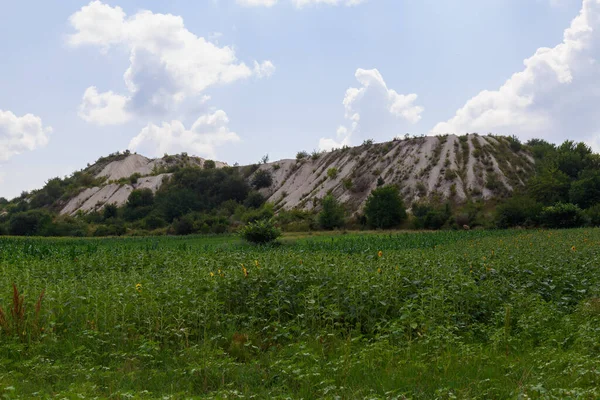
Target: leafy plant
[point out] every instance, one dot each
(260, 232)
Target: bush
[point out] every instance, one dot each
(593, 215)
(260, 232)
(183, 226)
(301, 155)
(209, 164)
(518, 211)
(254, 200)
(332, 215)
(29, 223)
(262, 179)
(332, 173)
(384, 208)
(562, 215)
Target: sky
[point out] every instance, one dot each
(234, 80)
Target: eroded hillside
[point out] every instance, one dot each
(470, 166)
(449, 167)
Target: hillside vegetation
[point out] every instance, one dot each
(442, 182)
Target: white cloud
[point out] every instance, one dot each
(257, 3)
(106, 108)
(373, 109)
(206, 134)
(19, 134)
(168, 63)
(554, 97)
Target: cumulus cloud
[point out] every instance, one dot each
(19, 134)
(103, 108)
(206, 134)
(555, 96)
(374, 109)
(168, 63)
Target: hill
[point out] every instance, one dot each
(443, 181)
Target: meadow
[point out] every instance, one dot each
(432, 315)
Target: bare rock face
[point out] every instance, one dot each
(447, 167)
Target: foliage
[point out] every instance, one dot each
(434, 315)
(519, 210)
(332, 214)
(262, 179)
(562, 215)
(260, 232)
(332, 173)
(384, 208)
(209, 164)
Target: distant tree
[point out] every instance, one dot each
(518, 211)
(332, 214)
(262, 179)
(140, 198)
(562, 215)
(29, 223)
(254, 200)
(264, 159)
(384, 208)
(3, 201)
(209, 164)
(110, 211)
(549, 186)
(585, 192)
(260, 232)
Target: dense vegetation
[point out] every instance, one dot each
(564, 192)
(479, 314)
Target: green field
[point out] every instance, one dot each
(441, 315)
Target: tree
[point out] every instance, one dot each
(384, 208)
(29, 223)
(110, 211)
(140, 198)
(209, 164)
(332, 215)
(585, 192)
(550, 186)
(262, 179)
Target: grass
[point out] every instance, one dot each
(477, 314)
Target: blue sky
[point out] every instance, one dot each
(233, 81)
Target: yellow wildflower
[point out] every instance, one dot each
(138, 287)
(245, 271)
(212, 274)
(380, 253)
(573, 248)
(379, 270)
(256, 263)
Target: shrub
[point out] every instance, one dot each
(384, 208)
(29, 223)
(209, 164)
(110, 211)
(593, 215)
(332, 215)
(140, 198)
(262, 179)
(254, 200)
(133, 179)
(518, 211)
(260, 232)
(562, 215)
(301, 155)
(332, 173)
(183, 226)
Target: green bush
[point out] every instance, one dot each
(332, 173)
(29, 223)
(260, 232)
(209, 164)
(562, 215)
(384, 208)
(518, 211)
(332, 215)
(262, 179)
